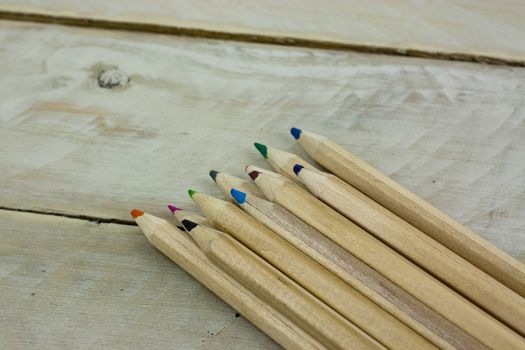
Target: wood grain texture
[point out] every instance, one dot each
(441, 262)
(359, 275)
(72, 283)
(467, 27)
(280, 291)
(384, 260)
(310, 275)
(408, 206)
(453, 133)
(181, 249)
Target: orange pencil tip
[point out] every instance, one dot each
(136, 213)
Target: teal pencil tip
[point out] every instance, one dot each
(262, 149)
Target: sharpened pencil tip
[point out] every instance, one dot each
(136, 213)
(262, 149)
(191, 193)
(296, 133)
(213, 174)
(254, 174)
(173, 208)
(188, 225)
(239, 196)
(297, 168)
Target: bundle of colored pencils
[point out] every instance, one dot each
(344, 260)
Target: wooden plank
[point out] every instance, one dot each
(475, 28)
(70, 283)
(454, 133)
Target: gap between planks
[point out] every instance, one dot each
(95, 219)
(253, 38)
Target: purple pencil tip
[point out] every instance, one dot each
(173, 208)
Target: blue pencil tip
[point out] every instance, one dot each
(296, 133)
(297, 168)
(239, 196)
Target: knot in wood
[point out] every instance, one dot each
(111, 78)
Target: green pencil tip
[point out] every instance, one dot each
(262, 149)
(191, 193)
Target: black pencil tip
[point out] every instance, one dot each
(213, 174)
(188, 225)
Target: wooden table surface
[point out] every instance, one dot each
(98, 121)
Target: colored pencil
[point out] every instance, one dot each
(386, 261)
(180, 248)
(226, 182)
(414, 210)
(376, 287)
(281, 162)
(310, 274)
(279, 291)
(181, 214)
(494, 297)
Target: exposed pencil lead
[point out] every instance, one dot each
(188, 225)
(239, 196)
(262, 149)
(136, 213)
(213, 174)
(191, 193)
(296, 133)
(297, 168)
(254, 174)
(173, 208)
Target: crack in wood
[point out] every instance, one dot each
(95, 219)
(254, 38)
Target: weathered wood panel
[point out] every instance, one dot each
(70, 283)
(472, 27)
(453, 133)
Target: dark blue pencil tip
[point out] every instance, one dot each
(296, 133)
(239, 196)
(297, 168)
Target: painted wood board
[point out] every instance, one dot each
(454, 133)
(69, 283)
(467, 27)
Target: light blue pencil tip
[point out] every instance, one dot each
(239, 196)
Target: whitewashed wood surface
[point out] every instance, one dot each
(74, 284)
(473, 27)
(454, 133)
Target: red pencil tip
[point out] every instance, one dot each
(136, 213)
(254, 174)
(173, 208)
